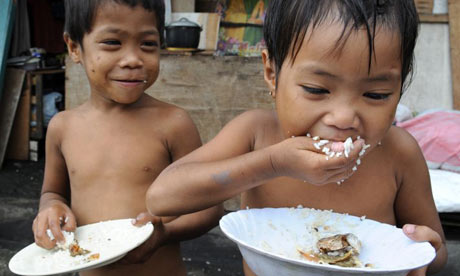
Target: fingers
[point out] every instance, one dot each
(144, 218)
(54, 220)
(54, 224)
(41, 237)
(138, 255)
(423, 233)
(345, 159)
(69, 223)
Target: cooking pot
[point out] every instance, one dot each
(183, 33)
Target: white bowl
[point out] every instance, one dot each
(269, 238)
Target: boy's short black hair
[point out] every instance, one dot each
(287, 22)
(79, 15)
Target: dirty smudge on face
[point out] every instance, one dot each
(222, 178)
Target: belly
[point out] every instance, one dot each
(166, 260)
(375, 201)
(107, 200)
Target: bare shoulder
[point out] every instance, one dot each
(407, 157)
(402, 144)
(256, 119)
(172, 118)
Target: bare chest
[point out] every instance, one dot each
(371, 192)
(114, 155)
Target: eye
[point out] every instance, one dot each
(377, 96)
(111, 42)
(316, 91)
(150, 44)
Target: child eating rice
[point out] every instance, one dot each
(335, 69)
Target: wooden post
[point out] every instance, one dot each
(454, 28)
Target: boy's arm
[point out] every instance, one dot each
(54, 211)
(184, 139)
(228, 165)
(414, 203)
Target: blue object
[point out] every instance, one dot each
(7, 8)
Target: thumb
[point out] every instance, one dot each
(420, 233)
(144, 218)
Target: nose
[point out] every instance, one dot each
(131, 59)
(342, 116)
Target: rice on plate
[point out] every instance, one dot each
(106, 242)
(272, 240)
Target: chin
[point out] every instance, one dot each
(128, 99)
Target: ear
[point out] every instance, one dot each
(73, 48)
(269, 73)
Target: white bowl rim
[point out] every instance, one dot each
(307, 263)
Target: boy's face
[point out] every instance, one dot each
(121, 53)
(330, 93)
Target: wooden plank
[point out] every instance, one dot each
(7, 8)
(8, 105)
(37, 131)
(18, 145)
(454, 28)
(434, 18)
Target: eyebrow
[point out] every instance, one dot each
(117, 31)
(321, 72)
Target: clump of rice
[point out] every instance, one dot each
(68, 236)
(335, 152)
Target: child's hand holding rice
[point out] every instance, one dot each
(317, 161)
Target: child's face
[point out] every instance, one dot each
(121, 53)
(331, 94)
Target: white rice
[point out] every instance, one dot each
(105, 240)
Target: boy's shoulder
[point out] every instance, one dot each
(258, 118)
(398, 142)
(174, 121)
(164, 112)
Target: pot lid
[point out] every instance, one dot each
(183, 22)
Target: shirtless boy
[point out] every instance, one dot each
(102, 156)
(335, 69)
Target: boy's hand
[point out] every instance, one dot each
(299, 158)
(159, 237)
(421, 234)
(57, 216)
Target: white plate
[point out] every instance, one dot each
(269, 238)
(111, 239)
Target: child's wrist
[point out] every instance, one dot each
(274, 163)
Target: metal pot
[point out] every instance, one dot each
(183, 34)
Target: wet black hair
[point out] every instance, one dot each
(79, 15)
(287, 22)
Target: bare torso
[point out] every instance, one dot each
(370, 192)
(112, 158)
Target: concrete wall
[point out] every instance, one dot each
(216, 89)
(212, 89)
(432, 83)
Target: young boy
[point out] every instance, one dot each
(102, 156)
(336, 69)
